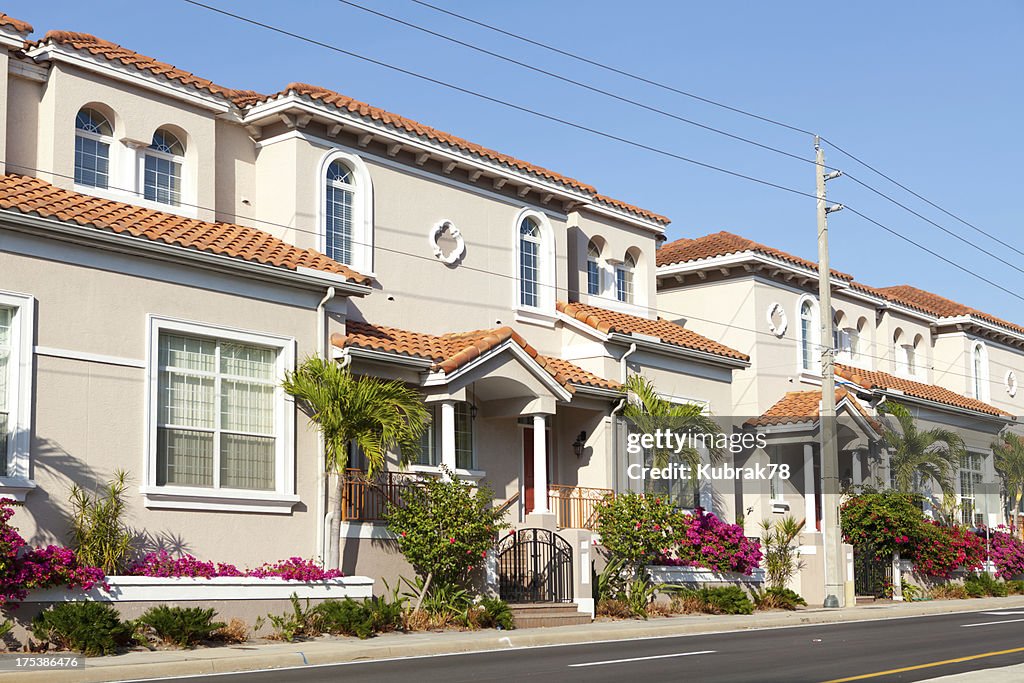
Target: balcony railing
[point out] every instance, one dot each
(575, 507)
(365, 499)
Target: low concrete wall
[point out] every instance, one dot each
(698, 576)
(245, 598)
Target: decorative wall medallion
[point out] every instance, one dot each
(777, 321)
(447, 243)
(1011, 383)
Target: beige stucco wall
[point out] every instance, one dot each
(90, 417)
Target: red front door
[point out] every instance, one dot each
(528, 470)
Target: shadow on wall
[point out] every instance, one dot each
(49, 507)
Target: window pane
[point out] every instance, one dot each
(184, 458)
(593, 278)
(186, 400)
(167, 143)
(92, 162)
(247, 462)
(187, 353)
(463, 437)
(339, 218)
(6, 319)
(253, 362)
(162, 182)
(92, 121)
(247, 407)
(529, 272)
(3, 443)
(428, 450)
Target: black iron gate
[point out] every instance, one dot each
(534, 565)
(872, 574)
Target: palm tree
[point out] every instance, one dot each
(379, 416)
(1008, 450)
(916, 455)
(649, 412)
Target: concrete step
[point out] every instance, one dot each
(865, 599)
(538, 615)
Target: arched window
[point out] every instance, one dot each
(979, 371)
(899, 354)
(93, 135)
(913, 355)
(339, 215)
(162, 168)
(624, 279)
(807, 360)
(529, 262)
(593, 269)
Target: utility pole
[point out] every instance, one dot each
(835, 588)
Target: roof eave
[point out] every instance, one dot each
(678, 351)
(937, 405)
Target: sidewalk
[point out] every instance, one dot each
(248, 656)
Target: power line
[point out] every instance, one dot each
(669, 88)
(506, 276)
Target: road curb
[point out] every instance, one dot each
(321, 652)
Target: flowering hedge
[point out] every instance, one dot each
(162, 564)
(939, 550)
(23, 569)
(1007, 553)
(650, 530)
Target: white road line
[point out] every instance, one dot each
(640, 659)
(992, 623)
(1002, 614)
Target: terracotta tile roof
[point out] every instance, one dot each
(16, 24)
(449, 352)
(940, 306)
(874, 379)
(725, 243)
(34, 196)
(804, 406)
(607, 322)
(114, 52)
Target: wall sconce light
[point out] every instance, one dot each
(472, 411)
(579, 443)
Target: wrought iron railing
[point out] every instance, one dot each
(365, 498)
(575, 507)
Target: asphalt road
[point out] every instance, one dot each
(813, 654)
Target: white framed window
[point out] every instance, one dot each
(162, 162)
(624, 279)
(593, 269)
(346, 210)
(971, 468)
(428, 442)
(17, 313)
(979, 371)
(93, 137)
(220, 425)
(465, 458)
(535, 264)
(807, 314)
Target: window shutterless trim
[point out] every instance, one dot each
(20, 390)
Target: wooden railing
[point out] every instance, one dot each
(365, 499)
(575, 507)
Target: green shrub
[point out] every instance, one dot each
(92, 628)
(981, 585)
(778, 598)
(495, 613)
(182, 626)
(98, 534)
(948, 591)
(302, 621)
(727, 600)
(1015, 587)
(639, 594)
(912, 592)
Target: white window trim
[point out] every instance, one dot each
(107, 140)
(362, 210)
(815, 365)
(981, 382)
(544, 311)
(18, 482)
(283, 498)
(183, 193)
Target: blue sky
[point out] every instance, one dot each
(929, 92)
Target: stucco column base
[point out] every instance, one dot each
(541, 520)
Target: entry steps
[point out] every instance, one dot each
(541, 614)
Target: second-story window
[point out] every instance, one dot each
(624, 279)
(92, 149)
(593, 269)
(806, 334)
(340, 211)
(529, 263)
(162, 162)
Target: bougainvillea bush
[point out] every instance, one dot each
(704, 540)
(1007, 553)
(23, 569)
(162, 564)
(938, 550)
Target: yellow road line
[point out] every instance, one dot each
(926, 666)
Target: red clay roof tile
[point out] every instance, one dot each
(34, 196)
(16, 24)
(940, 306)
(607, 322)
(803, 406)
(875, 379)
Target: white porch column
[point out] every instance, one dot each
(858, 473)
(448, 434)
(810, 507)
(540, 465)
(705, 488)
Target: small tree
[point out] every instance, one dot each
(636, 528)
(916, 455)
(1009, 461)
(98, 534)
(445, 528)
(379, 416)
(781, 558)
